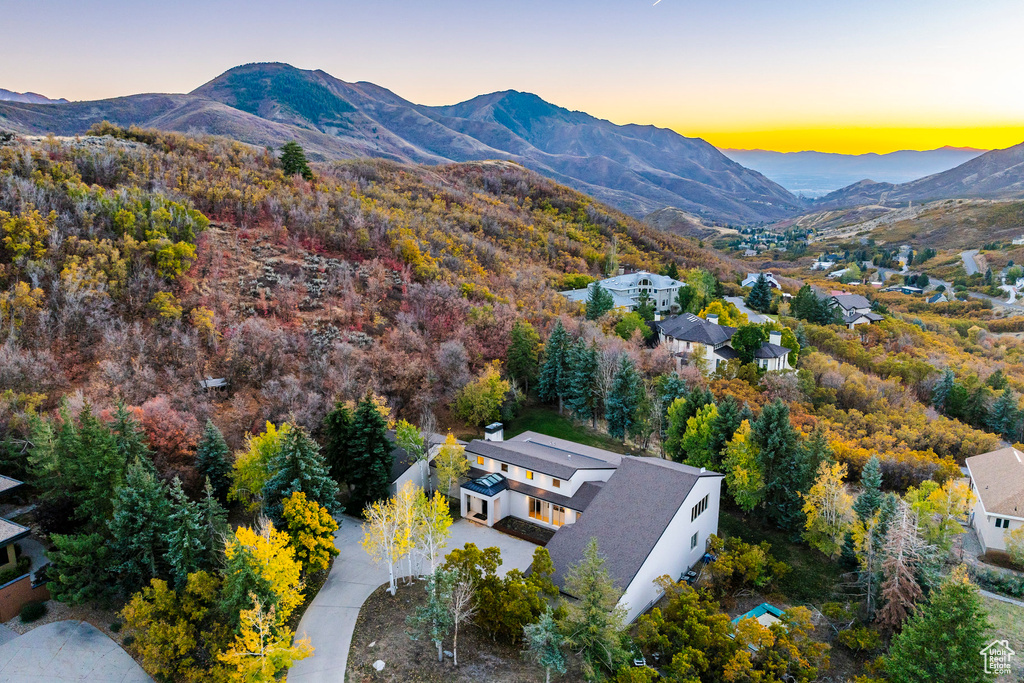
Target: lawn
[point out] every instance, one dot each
(813, 577)
(544, 420)
(1008, 622)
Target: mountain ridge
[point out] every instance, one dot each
(636, 168)
(28, 97)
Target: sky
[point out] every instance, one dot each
(787, 75)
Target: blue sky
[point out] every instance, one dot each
(845, 76)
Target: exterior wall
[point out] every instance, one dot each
(672, 555)
(18, 593)
(774, 364)
(541, 480)
(984, 525)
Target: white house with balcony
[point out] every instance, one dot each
(997, 482)
(626, 289)
(689, 337)
(650, 517)
(855, 309)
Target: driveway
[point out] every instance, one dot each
(331, 618)
(67, 651)
(753, 317)
(970, 264)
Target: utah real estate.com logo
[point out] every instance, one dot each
(998, 657)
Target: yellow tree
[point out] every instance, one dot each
(273, 560)
(433, 526)
(479, 402)
(743, 475)
(252, 465)
(262, 649)
(829, 509)
(383, 537)
(404, 504)
(940, 509)
(727, 313)
(451, 464)
(311, 529)
(1015, 544)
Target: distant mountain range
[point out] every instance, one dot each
(998, 174)
(638, 169)
(813, 174)
(34, 98)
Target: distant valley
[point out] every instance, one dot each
(814, 174)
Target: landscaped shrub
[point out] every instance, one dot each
(999, 582)
(32, 611)
(20, 568)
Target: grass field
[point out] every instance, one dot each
(813, 577)
(1008, 622)
(544, 420)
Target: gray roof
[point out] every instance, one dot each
(631, 280)
(999, 481)
(556, 457)
(579, 501)
(628, 517)
(851, 301)
(769, 350)
(855, 316)
(7, 483)
(689, 327)
(10, 532)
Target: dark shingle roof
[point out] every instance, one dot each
(489, 485)
(7, 483)
(769, 350)
(628, 517)
(853, 317)
(852, 301)
(689, 327)
(556, 457)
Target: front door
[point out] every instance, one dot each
(483, 508)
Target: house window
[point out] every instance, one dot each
(539, 509)
(1002, 523)
(556, 483)
(479, 460)
(699, 508)
(529, 474)
(504, 467)
(557, 515)
(693, 541)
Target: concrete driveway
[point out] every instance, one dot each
(331, 618)
(65, 651)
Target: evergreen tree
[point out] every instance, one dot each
(599, 301)
(300, 467)
(623, 399)
(129, 437)
(942, 642)
(242, 580)
(760, 297)
(554, 373)
(645, 307)
(79, 570)
(725, 424)
(293, 160)
(523, 357)
(337, 428)
(593, 623)
(1004, 418)
(747, 340)
(212, 461)
(942, 390)
(671, 270)
(976, 410)
(779, 459)
(214, 519)
(583, 381)
(186, 543)
(96, 469)
(370, 457)
(138, 529)
(870, 499)
(544, 644)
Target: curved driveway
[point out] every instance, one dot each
(331, 618)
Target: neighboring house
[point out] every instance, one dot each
(688, 336)
(751, 280)
(937, 298)
(650, 517)
(836, 274)
(10, 532)
(855, 309)
(404, 468)
(907, 289)
(627, 288)
(997, 481)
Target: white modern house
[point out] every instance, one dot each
(690, 337)
(997, 481)
(855, 309)
(626, 289)
(751, 280)
(650, 517)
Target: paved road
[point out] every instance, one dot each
(970, 265)
(753, 316)
(331, 618)
(65, 651)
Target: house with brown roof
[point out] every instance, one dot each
(651, 517)
(997, 481)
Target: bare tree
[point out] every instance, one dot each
(462, 607)
(903, 548)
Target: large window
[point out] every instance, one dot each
(540, 510)
(1002, 523)
(557, 515)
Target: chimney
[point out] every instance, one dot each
(494, 432)
(622, 270)
(713, 318)
(775, 338)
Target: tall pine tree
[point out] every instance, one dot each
(599, 301)
(370, 457)
(1004, 418)
(96, 470)
(300, 467)
(523, 357)
(212, 461)
(337, 430)
(583, 381)
(214, 519)
(870, 499)
(129, 437)
(554, 373)
(780, 460)
(187, 550)
(623, 399)
(760, 297)
(138, 529)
